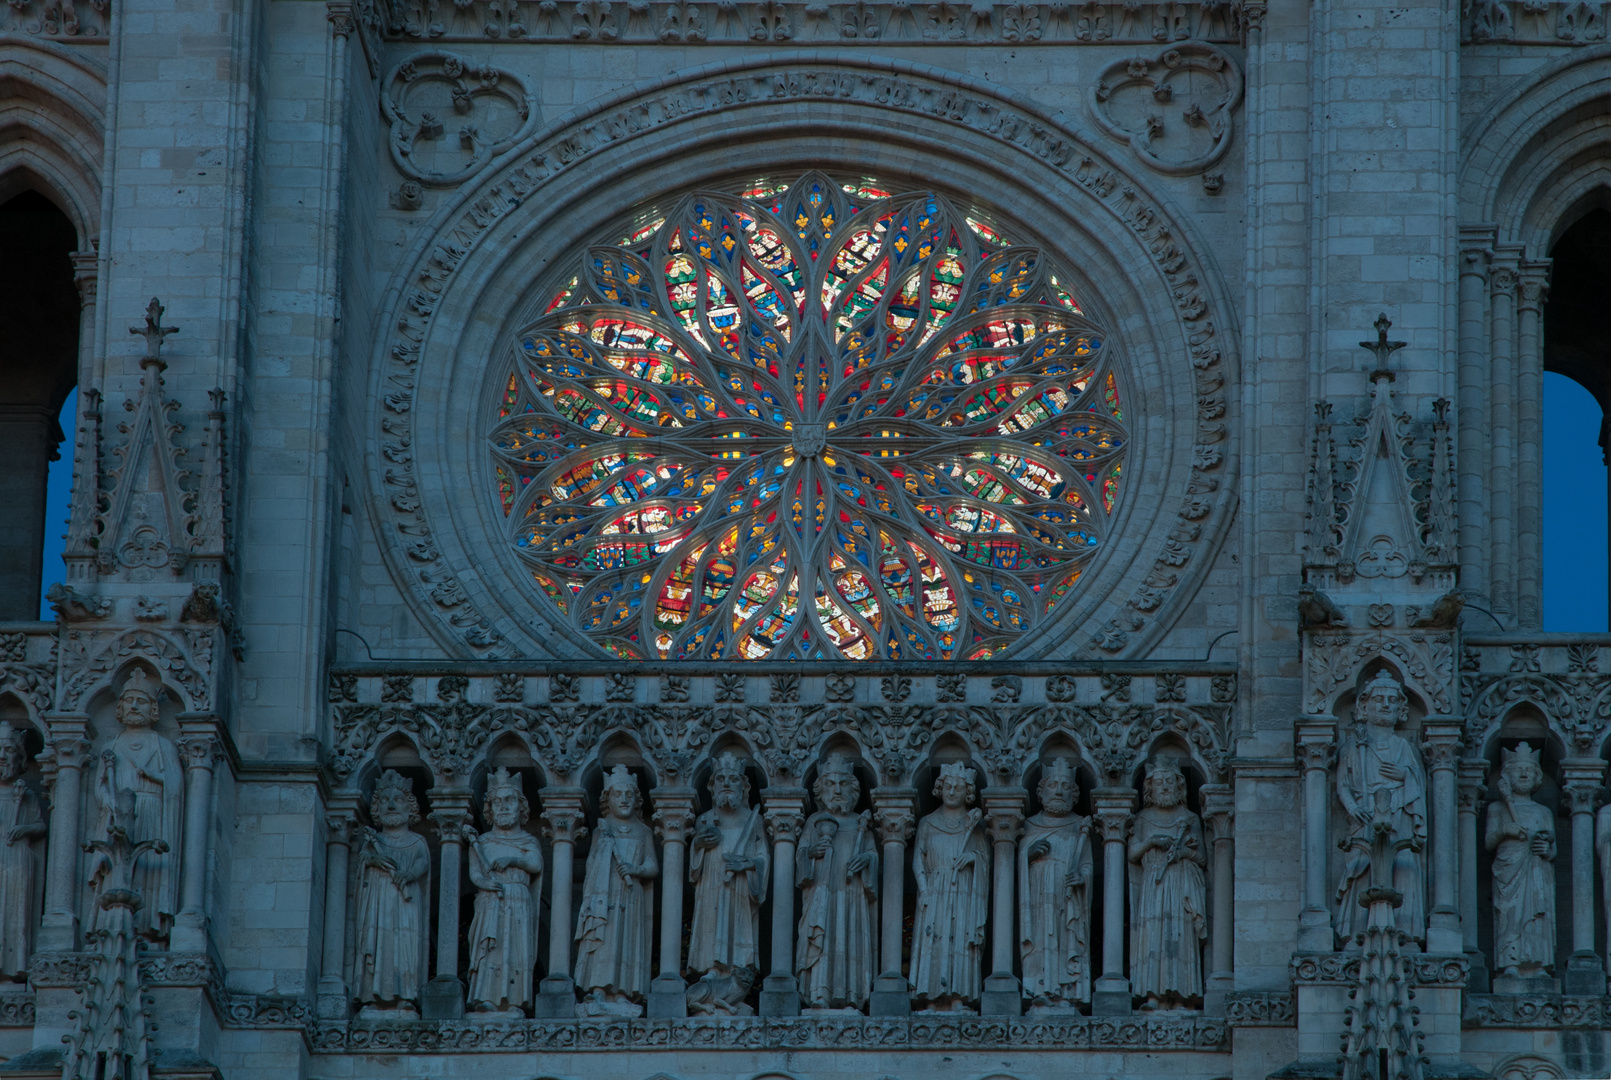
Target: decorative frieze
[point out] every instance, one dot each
(1534, 22)
(1260, 1008)
(1536, 1011)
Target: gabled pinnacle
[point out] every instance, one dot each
(1381, 348)
(154, 333)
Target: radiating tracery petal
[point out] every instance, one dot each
(812, 419)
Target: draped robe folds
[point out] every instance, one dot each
(952, 903)
(503, 932)
(727, 905)
(1359, 778)
(1054, 919)
(392, 921)
(1524, 887)
(1168, 904)
(615, 926)
(18, 807)
(143, 768)
(834, 949)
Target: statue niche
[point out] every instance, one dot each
(1168, 894)
(837, 868)
(1054, 894)
(951, 862)
(140, 786)
(728, 867)
(21, 823)
(394, 904)
(615, 925)
(1521, 835)
(506, 868)
(1379, 771)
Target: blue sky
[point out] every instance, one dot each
(1575, 559)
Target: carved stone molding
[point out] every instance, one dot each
(806, 1033)
(475, 628)
(1535, 22)
(1562, 682)
(16, 1010)
(267, 1011)
(64, 20)
(1174, 109)
(184, 658)
(1260, 1008)
(1342, 969)
(450, 117)
(1333, 659)
(1536, 1011)
(857, 22)
(59, 970)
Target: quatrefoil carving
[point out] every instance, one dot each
(450, 117)
(1173, 110)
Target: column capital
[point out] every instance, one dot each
(1219, 808)
(340, 823)
(564, 819)
(1477, 247)
(784, 811)
(200, 751)
(1504, 269)
(1112, 809)
(1534, 284)
(86, 272)
(895, 814)
(673, 814)
(1004, 813)
(1315, 743)
(343, 17)
(1441, 742)
(1580, 781)
(450, 823)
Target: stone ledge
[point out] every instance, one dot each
(1191, 1032)
(1546, 1011)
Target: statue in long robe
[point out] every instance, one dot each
(20, 825)
(951, 862)
(728, 865)
(1054, 894)
(837, 868)
(1375, 759)
(506, 867)
(1521, 835)
(394, 904)
(1168, 894)
(615, 925)
(141, 788)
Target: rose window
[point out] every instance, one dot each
(809, 421)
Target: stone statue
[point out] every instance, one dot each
(20, 824)
(951, 863)
(615, 926)
(141, 787)
(837, 868)
(1054, 894)
(1168, 894)
(1373, 759)
(506, 868)
(1521, 834)
(728, 866)
(394, 904)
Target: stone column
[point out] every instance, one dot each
(1471, 410)
(563, 822)
(444, 994)
(1472, 771)
(1004, 820)
(340, 819)
(1110, 996)
(1502, 434)
(673, 817)
(1317, 748)
(1529, 442)
(58, 930)
(199, 748)
(785, 817)
(1580, 781)
(895, 815)
(1219, 811)
(1440, 749)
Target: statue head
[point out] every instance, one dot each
(1520, 770)
(1058, 789)
(620, 794)
(954, 786)
(393, 804)
(1382, 703)
(729, 784)
(137, 703)
(13, 755)
(1165, 785)
(837, 788)
(506, 805)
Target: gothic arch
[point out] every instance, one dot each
(477, 269)
(52, 119)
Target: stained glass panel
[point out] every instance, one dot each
(809, 420)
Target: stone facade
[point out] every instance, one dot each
(1199, 723)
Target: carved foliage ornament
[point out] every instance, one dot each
(1174, 110)
(931, 424)
(449, 118)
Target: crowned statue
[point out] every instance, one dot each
(1521, 835)
(394, 904)
(21, 823)
(615, 925)
(837, 868)
(728, 866)
(506, 868)
(1378, 771)
(951, 862)
(1168, 894)
(1054, 894)
(140, 787)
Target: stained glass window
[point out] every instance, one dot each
(820, 419)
